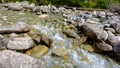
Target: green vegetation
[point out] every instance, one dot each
(76, 3)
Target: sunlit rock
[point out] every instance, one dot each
(60, 51)
(37, 51)
(21, 43)
(13, 59)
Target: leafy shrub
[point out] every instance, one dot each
(75, 3)
(102, 4)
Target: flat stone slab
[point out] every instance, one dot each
(17, 28)
(21, 43)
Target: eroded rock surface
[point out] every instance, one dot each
(21, 43)
(94, 31)
(13, 59)
(16, 28)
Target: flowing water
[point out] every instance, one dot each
(76, 58)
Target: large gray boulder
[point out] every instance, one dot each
(94, 31)
(11, 59)
(22, 43)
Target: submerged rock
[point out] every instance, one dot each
(37, 51)
(71, 33)
(13, 59)
(83, 39)
(87, 47)
(60, 51)
(94, 31)
(21, 43)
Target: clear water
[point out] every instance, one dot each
(77, 58)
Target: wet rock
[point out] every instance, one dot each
(102, 46)
(116, 26)
(83, 39)
(87, 15)
(110, 21)
(13, 35)
(113, 40)
(37, 51)
(60, 51)
(93, 20)
(1, 37)
(39, 13)
(94, 13)
(14, 6)
(102, 14)
(94, 31)
(37, 39)
(110, 34)
(24, 4)
(70, 21)
(13, 59)
(115, 8)
(75, 45)
(17, 28)
(43, 16)
(26, 35)
(36, 9)
(106, 25)
(21, 43)
(109, 14)
(116, 48)
(4, 42)
(110, 29)
(70, 31)
(43, 9)
(87, 47)
(45, 39)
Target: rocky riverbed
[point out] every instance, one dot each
(56, 37)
